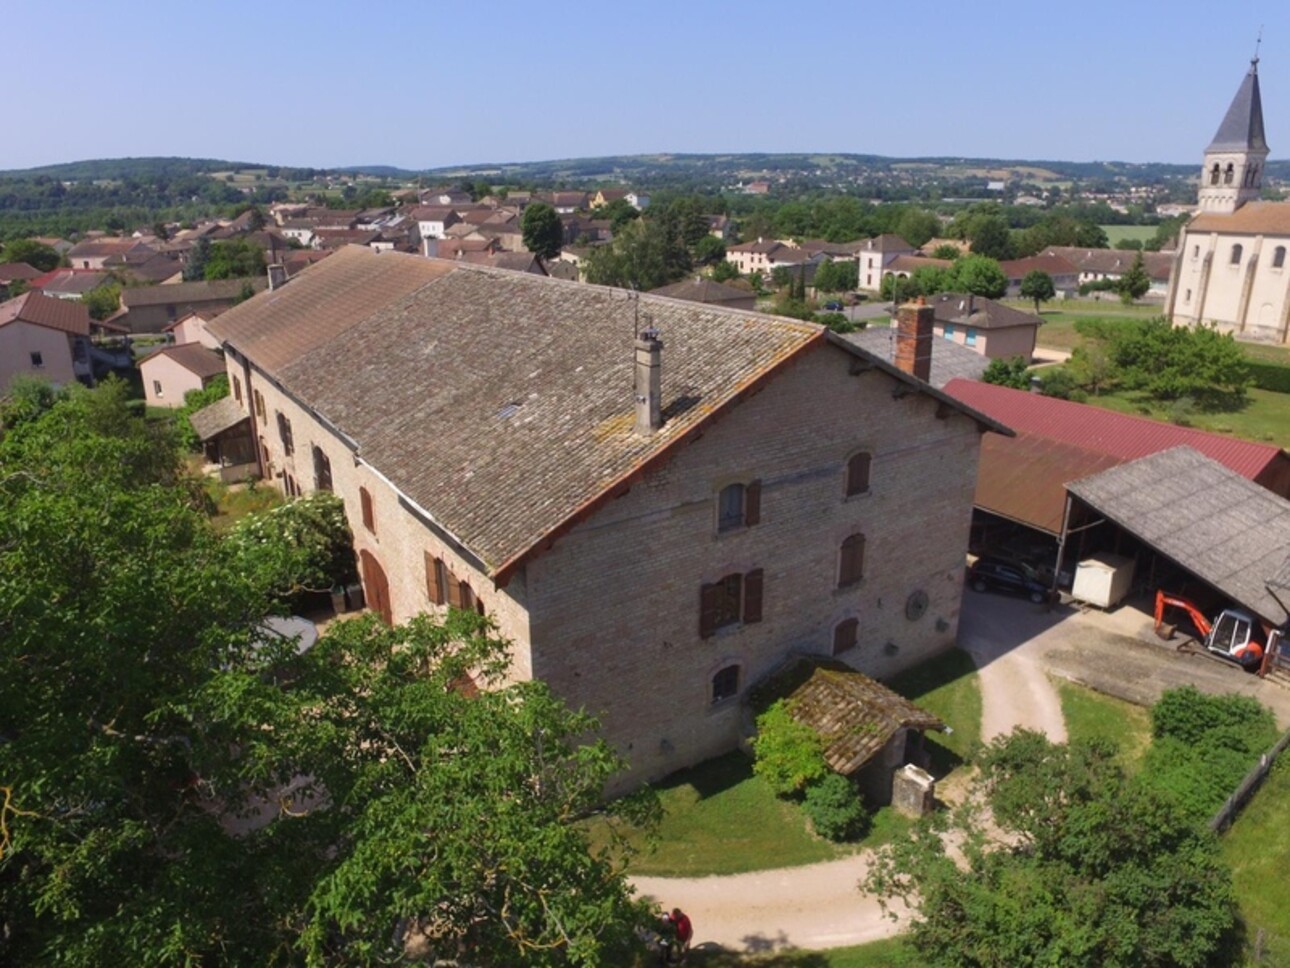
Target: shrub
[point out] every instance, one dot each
(835, 808)
(788, 754)
(1270, 376)
(1189, 715)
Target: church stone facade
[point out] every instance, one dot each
(1231, 265)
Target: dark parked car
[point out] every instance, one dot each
(1009, 577)
(833, 307)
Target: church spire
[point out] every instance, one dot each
(1233, 170)
(1242, 127)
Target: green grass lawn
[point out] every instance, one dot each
(1092, 715)
(232, 503)
(1258, 850)
(947, 686)
(893, 953)
(1117, 233)
(1265, 417)
(719, 818)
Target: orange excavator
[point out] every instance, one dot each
(1235, 635)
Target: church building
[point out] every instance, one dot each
(1231, 264)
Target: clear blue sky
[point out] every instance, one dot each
(428, 84)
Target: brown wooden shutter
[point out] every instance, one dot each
(434, 579)
(752, 502)
(708, 610)
(851, 566)
(453, 589)
(858, 474)
(465, 597)
(479, 605)
(369, 519)
(752, 596)
(844, 635)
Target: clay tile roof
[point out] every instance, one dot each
(102, 247)
(909, 263)
(500, 402)
(9, 271)
(1104, 431)
(888, 242)
(194, 357)
(187, 293)
(958, 307)
(1054, 265)
(36, 308)
(949, 359)
(1252, 218)
(853, 715)
(704, 290)
(224, 414)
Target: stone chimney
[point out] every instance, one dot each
(649, 382)
(277, 275)
(914, 338)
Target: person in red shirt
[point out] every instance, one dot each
(684, 932)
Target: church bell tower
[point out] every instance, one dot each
(1233, 171)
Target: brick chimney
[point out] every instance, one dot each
(649, 382)
(914, 338)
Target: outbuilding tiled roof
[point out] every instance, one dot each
(949, 359)
(853, 715)
(979, 312)
(704, 290)
(211, 421)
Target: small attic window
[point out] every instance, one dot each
(509, 410)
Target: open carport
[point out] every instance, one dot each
(1179, 510)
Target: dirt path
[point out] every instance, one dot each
(817, 906)
(1008, 643)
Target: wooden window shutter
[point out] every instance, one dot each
(752, 596)
(851, 567)
(858, 473)
(434, 579)
(369, 519)
(844, 635)
(708, 595)
(453, 588)
(465, 597)
(479, 605)
(752, 502)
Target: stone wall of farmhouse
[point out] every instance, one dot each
(400, 540)
(615, 605)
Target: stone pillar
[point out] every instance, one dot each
(913, 791)
(649, 382)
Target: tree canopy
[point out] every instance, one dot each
(542, 230)
(1134, 284)
(646, 254)
(1081, 866)
(181, 786)
(1038, 285)
(35, 254)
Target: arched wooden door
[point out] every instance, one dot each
(376, 588)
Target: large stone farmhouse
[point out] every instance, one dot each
(1232, 267)
(658, 502)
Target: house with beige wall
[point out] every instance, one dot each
(655, 518)
(192, 329)
(1231, 267)
(996, 331)
(44, 337)
(876, 255)
(150, 309)
(170, 372)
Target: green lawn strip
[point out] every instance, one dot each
(1257, 848)
(1092, 715)
(1265, 417)
(948, 687)
(890, 953)
(719, 818)
(234, 503)
(1117, 233)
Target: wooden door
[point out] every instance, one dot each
(376, 588)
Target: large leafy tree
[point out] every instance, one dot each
(981, 276)
(542, 231)
(1133, 285)
(234, 258)
(646, 254)
(35, 254)
(179, 786)
(1038, 285)
(1079, 866)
